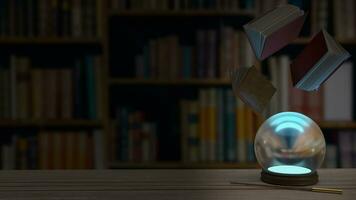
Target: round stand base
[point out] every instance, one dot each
(286, 179)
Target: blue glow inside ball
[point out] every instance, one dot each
(289, 143)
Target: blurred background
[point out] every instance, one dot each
(94, 84)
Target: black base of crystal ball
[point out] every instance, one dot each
(289, 179)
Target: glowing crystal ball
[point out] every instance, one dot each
(289, 143)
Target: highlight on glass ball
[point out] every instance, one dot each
(289, 144)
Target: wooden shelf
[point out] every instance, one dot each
(198, 82)
(48, 40)
(337, 125)
(50, 123)
(180, 165)
(188, 13)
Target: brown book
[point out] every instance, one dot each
(37, 93)
(69, 150)
(51, 94)
(274, 30)
(89, 153)
(66, 94)
(99, 85)
(23, 87)
(317, 62)
(57, 150)
(252, 87)
(82, 150)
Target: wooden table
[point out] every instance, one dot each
(161, 184)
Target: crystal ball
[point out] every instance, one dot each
(289, 143)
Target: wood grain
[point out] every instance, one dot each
(161, 184)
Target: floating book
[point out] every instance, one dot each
(252, 87)
(317, 62)
(274, 30)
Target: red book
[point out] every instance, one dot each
(317, 62)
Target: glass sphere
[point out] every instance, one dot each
(289, 143)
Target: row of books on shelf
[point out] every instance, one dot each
(341, 150)
(344, 18)
(211, 56)
(264, 6)
(217, 127)
(53, 150)
(30, 92)
(50, 18)
(332, 102)
(179, 5)
(134, 138)
(320, 15)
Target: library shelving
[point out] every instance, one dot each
(179, 165)
(114, 84)
(50, 123)
(189, 13)
(49, 40)
(197, 82)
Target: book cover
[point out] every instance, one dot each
(275, 29)
(317, 62)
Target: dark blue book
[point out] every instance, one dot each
(230, 136)
(78, 88)
(146, 62)
(124, 134)
(3, 17)
(248, 4)
(90, 87)
(187, 62)
(298, 3)
(32, 153)
(201, 54)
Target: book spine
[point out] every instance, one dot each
(66, 94)
(124, 131)
(212, 116)
(187, 62)
(241, 132)
(78, 90)
(345, 148)
(331, 156)
(211, 54)
(202, 125)
(249, 115)
(184, 119)
(193, 137)
(69, 150)
(13, 86)
(90, 86)
(220, 143)
(76, 18)
(201, 53)
(230, 147)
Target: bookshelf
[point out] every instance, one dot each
(191, 13)
(179, 165)
(49, 40)
(304, 41)
(188, 82)
(113, 83)
(50, 123)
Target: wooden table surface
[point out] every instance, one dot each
(161, 184)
